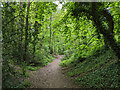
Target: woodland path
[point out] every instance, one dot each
(51, 76)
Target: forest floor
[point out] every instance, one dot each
(51, 76)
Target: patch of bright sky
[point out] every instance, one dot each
(59, 4)
(1, 4)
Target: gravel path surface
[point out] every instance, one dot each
(51, 76)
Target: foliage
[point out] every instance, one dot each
(24, 36)
(86, 33)
(95, 71)
(104, 77)
(93, 54)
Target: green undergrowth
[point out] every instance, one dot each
(98, 70)
(36, 66)
(103, 77)
(43, 62)
(19, 72)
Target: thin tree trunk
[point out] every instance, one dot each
(34, 36)
(21, 33)
(26, 32)
(50, 48)
(34, 47)
(54, 42)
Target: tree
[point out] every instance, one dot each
(50, 46)
(21, 25)
(94, 13)
(26, 32)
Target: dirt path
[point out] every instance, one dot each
(51, 76)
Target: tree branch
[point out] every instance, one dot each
(11, 20)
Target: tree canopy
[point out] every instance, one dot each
(33, 32)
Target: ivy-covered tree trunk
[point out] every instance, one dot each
(108, 34)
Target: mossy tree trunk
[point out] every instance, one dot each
(107, 33)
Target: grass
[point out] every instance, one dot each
(99, 70)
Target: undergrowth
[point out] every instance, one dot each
(97, 70)
(103, 77)
(18, 73)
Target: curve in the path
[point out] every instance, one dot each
(51, 76)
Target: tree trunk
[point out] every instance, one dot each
(21, 32)
(54, 41)
(50, 48)
(34, 47)
(26, 32)
(35, 37)
(108, 34)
